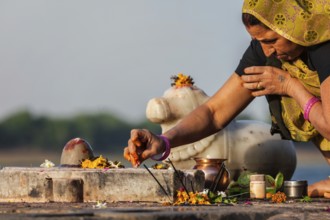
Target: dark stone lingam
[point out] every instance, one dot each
(74, 152)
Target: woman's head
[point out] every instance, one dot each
(250, 20)
(305, 22)
(271, 42)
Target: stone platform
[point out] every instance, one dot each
(318, 209)
(40, 185)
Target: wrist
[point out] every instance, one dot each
(293, 87)
(167, 151)
(308, 106)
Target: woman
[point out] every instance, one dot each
(287, 61)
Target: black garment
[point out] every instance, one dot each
(317, 59)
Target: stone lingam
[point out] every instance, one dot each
(245, 144)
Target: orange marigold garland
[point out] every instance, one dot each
(278, 197)
(194, 198)
(206, 197)
(182, 80)
(100, 162)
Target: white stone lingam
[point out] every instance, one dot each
(246, 144)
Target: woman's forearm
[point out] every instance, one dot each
(319, 114)
(213, 115)
(191, 128)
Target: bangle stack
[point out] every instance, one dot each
(309, 106)
(167, 149)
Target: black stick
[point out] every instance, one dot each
(217, 178)
(177, 173)
(157, 181)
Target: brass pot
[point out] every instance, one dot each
(217, 176)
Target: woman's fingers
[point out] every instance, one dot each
(327, 195)
(131, 154)
(135, 151)
(254, 74)
(254, 86)
(255, 69)
(142, 145)
(135, 138)
(127, 154)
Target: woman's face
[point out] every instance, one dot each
(273, 43)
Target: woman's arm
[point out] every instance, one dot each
(213, 115)
(319, 115)
(277, 81)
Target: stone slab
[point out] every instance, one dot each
(23, 184)
(318, 209)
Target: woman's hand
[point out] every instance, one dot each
(320, 189)
(265, 80)
(142, 145)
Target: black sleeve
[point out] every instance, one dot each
(319, 57)
(253, 56)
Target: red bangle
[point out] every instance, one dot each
(309, 106)
(167, 149)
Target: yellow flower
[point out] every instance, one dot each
(182, 80)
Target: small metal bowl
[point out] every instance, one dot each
(295, 189)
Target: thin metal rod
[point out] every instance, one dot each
(177, 173)
(157, 181)
(217, 178)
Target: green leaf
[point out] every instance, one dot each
(234, 190)
(233, 184)
(218, 199)
(199, 198)
(230, 201)
(279, 180)
(271, 190)
(306, 199)
(238, 191)
(244, 179)
(270, 181)
(211, 195)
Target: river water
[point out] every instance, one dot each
(311, 165)
(311, 173)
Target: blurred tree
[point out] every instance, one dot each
(16, 130)
(101, 130)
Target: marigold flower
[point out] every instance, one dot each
(278, 197)
(182, 80)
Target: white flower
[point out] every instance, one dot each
(100, 205)
(114, 165)
(205, 191)
(222, 194)
(47, 164)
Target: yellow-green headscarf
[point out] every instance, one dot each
(304, 22)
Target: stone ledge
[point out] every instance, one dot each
(22, 184)
(261, 210)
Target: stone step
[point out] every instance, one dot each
(58, 184)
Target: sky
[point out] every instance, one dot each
(65, 57)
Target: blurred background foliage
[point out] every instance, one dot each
(101, 130)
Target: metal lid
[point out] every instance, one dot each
(257, 177)
(295, 183)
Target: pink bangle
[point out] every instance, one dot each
(309, 106)
(167, 149)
